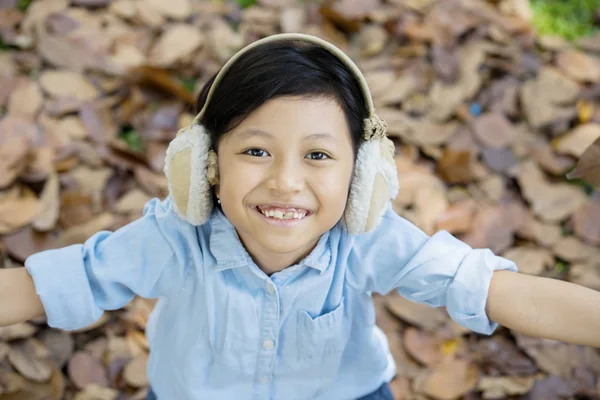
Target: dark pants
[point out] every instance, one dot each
(383, 393)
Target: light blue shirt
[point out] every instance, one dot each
(223, 329)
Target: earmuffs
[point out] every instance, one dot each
(192, 170)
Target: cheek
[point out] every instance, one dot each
(235, 179)
(332, 186)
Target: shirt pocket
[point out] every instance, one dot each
(321, 340)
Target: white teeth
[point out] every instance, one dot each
(281, 214)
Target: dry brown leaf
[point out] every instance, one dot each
(493, 186)
(587, 275)
(553, 357)
(571, 249)
(30, 358)
(530, 260)
(587, 167)
(498, 387)
(420, 315)
(76, 208)
(18, 207)
(451, 379)
(132, 202)
(26, 100)
(85, 370)
(579, 66)
(456, 166)
(14, 149)
(177, 9)
(92, 181)
(499, 159)
(586, 220)
(154, 184)
(490, 229)
(493, 130)
(26, 241)
(99, 123)
(551, 202)
(39, 11)
(80, 233)
(49, 205)
(540, 111)
(60, 344)
(177, 42)
(445, 98)
(40, 164)
(135, 371)
(423, 347)
(23, 330)
(96, 392)
(578, 140)
(73, 127)
(458, 217)
(545, 234)
(67, 84)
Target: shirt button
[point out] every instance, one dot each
(263, 379)
(270, 288)
(268, 344)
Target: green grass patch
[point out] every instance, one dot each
(23, 5)
(189, 84)
(246, 3)
(570, 19)
(132, 138)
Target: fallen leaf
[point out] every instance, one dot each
(419, 315)
(539, 110)
(49, 205)
(98, 122)
(578, 140)
(451, 379)
(135, 371)
(154, 184)
(78, 234)
(587, 167)
(502, 357)
(132, 202)
(493, 130)
(18, 207)
(26, 100)
(26, 241)
(544, 234)
(579, 65)
(571, 249)
(176, 43)
(21, 330)
(586, 220)
(499, 159)
(458, 217)
(456, 166)
(177, 9)
(60, 344)
(76, 208)
(14, 149)
(40, 164)
(498, 387)
(94, 391)
(67, 84)
(30, 358)
(530, 260)
(552, 388)
(587, 275)
(85, 370)
(490, 229)
(423, 347)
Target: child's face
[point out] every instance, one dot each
(291, 159)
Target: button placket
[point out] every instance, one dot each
(269, 326)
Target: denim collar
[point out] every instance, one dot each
(228, 250)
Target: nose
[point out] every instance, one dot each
(286, 177)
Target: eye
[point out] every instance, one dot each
(256, 153)
(317, 156)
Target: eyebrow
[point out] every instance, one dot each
(249, 133)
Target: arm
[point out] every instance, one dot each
(545, 307)
(18, 300)
(77, 283)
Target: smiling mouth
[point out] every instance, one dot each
(283, 213)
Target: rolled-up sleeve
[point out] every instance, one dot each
(147, 257)
(438, 271)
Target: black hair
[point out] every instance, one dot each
(285, 68)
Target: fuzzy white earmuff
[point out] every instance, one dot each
(191, 166)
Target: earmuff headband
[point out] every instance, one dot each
(294, 37)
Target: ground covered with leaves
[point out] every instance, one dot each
(487, 117)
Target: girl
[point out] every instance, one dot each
(267, 295)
